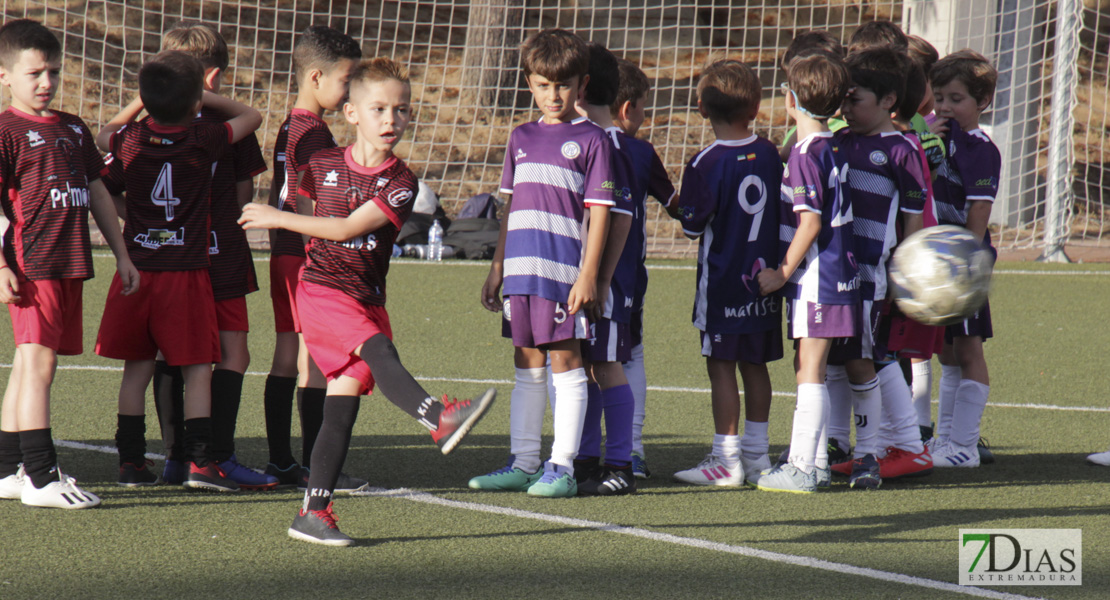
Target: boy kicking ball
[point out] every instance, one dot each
(363, 194)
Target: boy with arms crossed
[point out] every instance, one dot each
(323, 60)
(49, 182)
(886, 181)
(232, 274)
(818, 277)
(963, 83)
(559, 172)
(164, 166)
(649, 178)
(362, 195)
(726, 201)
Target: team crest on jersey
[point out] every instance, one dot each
(35, 139)
(398, 198)
(878, 157)
(571, 150)
(332, 178)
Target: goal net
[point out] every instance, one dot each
(469, 95)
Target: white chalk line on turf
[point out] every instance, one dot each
(651, 388)
(790, 559)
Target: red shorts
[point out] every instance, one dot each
(334, 325)
(172, 312)
(284, 278)
(49, 314)
(231, 314)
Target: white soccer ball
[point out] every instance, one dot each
(941, 275)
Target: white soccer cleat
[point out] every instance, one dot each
(947, 455)
(62, 493)
(11, 487)
(1101, 459)
(712, 471)
(754, 468)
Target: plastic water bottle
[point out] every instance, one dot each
(435, 241)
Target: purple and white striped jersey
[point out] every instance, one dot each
(554, 172)
(970, 172)
(815, 181)
(650, 178)
(885, 177)
(729, 198)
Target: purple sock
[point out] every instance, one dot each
(590, 446)
(619, 408)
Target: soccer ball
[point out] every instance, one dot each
(941, 275)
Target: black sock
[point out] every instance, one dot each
(10, 454)
(40, 460)
(227, 390)
(277, 401)
(198, 437)
(131, 438)
(310, 403)
(169, 401)
(331, 449)
(398, 385)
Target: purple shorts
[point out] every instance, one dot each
(865, 345)
(636, 327)
(535, 322)
(754, 348)
(610, 342)
(811, 320)
(978, 324)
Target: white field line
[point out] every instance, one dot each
(651, 388)
(789, 559)
(483, 263)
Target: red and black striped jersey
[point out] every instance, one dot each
(232, 266)
(302, 135)
(46, 164)
(339, 185)
(166, 173)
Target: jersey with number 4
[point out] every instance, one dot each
(729, 198)
(166, 173)
(339, 186)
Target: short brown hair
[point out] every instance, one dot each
(923, 52)
(970, 67)
(320, 47)
(809, 42)
(556, 55)
(201, 40)
(25, 34)
(373, 70)
(170, 85)
(634, 86)
(819, 81)
(729, 91)
(877, 33)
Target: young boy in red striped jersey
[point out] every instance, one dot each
(323, 60)
(164, 167)
(231, 269)
(49, 182)
(363, 194)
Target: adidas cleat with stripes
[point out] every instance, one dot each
(711, 471)
(458, 417)
(62, 493)
(609, 481)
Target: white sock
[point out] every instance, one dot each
(809, 418)
(526, 409)
(755, 442)
(570, 413)
(840, 405)
(637, 380)
(949, 381)
(971, 399)
(898, 410)
(867, 404)
(727, 449)
(922, 389)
